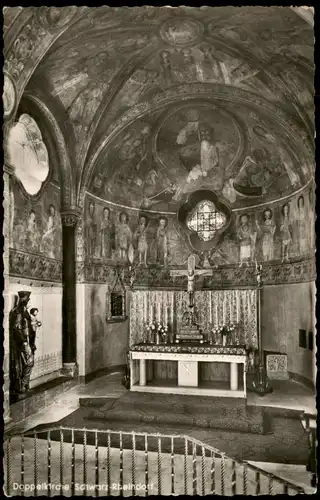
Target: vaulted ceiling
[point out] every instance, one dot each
(122, 83)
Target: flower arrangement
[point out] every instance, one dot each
(160, 330)
(223, 332)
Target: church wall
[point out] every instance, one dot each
(285, 310)
(102, 345)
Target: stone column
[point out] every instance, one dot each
(234, 376)
(142, 366)
(8, 172)
(69, 219)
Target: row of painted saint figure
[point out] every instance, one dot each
(248, 234)
(107, 240)
(28, 234)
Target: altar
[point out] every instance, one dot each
(186, 332)
(188, 358)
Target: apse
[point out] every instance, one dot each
(160, 228)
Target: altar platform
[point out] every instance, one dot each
(188, 380)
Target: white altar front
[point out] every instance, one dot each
(188, 358)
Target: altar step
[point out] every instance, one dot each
(181, 411)
(287, 443)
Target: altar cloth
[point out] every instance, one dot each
(190, 348)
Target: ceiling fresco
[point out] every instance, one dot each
(236, 152)
(110, 60)
(92, 67)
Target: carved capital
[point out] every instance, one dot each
(70, 217)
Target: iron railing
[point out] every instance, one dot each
(309, 423)
(91, 462)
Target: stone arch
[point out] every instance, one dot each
(55, 143)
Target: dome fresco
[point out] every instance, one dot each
(122, 78)
(239, 154)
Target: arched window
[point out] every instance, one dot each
(28, 154)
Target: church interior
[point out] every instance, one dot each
(159, 251)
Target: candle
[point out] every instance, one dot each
(165, 319)
(172, 308)
(216, 319)
(238, 305)
(145, 308)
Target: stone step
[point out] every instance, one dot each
(289, 439)
(181, 402)
(238, 419)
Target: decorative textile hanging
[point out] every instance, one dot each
(213, 307)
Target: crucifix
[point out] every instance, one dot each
(191, 273)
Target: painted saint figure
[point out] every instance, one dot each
(209, 70)
(31, 235)
(286, 231)
(267, 229)
(187, 70)
(302, 228)
(247, 238)
(22, 346)
(166, 69)
(48, 242)
(140, 236)
(198, 153)
(91, 231)
(123, 237)
(254, 175)
(162, 242)
(106, 235)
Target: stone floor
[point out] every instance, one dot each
(287, 394)
(108, 386)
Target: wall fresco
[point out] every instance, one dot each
(35, 222)
(278, 232)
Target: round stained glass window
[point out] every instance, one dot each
(206, 220)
